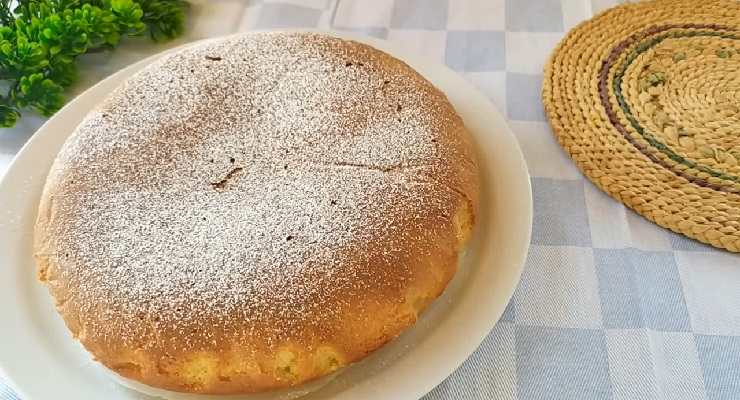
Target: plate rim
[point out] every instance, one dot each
(120, 76)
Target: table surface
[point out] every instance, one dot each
(610, 306)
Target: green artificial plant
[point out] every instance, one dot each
(40, 40)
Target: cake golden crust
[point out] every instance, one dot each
(256, 212)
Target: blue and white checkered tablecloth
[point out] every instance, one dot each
(610, 306)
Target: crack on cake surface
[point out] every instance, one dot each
(223, 183)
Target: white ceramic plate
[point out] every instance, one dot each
(42, 361)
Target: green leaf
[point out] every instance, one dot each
(165, 18)
(6, 15)
(98, 24)
(22, 56)
(63, 73)
(8, 116)
(128, 16)
(6, 32)
(40, 93)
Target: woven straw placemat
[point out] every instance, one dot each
(645, 98)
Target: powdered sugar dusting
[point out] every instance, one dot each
(258, 182)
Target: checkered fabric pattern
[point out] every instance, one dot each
(610, 306)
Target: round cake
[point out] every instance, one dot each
(255, 212)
